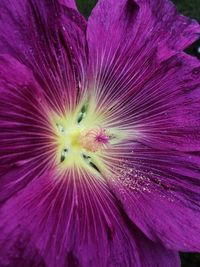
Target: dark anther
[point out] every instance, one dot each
(80, 117)
(82, 112)
(62, 158)
(84, 108)
(63, 155)
(94, 166)
(86, 157)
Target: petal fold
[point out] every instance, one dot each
(128, 40)
(148, 21)
(68, 3)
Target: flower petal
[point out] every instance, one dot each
(33, 33)
(159, 190)
(68, 3)
(72, 220)
(155, 22)
(127, 40)
(18, 251)
(158, 177)
(25, 127)
(163, 112)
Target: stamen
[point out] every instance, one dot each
(94, 140)
(91, 164)
(63, 154)
(82, 113)
(94, 166)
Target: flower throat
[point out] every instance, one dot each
(80, 141)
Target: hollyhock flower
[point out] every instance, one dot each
(100, 144)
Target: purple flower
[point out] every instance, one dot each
(100, 135)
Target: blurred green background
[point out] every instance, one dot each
(189, 8)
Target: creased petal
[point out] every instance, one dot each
(135, 36)
(152, 21)
(72, 220)
(25, 127)
(74, 36)
(33, 33)
(68, 3)
(159, 190)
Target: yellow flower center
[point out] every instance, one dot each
(81, 139)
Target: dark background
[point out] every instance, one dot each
(189, 8)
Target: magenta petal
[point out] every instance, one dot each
(162, 112)
(73, 29)
(157, 168)
(129, 60)
(18, 251)
(154, 22)
(159, 190)
(135, 36)
(25, 129)
(68, 3)
(24, 116)
(33, 32)
(74, 221)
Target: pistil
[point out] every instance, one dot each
(93, 140)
